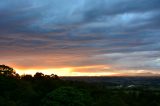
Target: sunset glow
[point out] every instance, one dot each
(72, 71)
(63, 72)
(58, 71)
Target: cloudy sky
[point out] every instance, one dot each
(81, 37)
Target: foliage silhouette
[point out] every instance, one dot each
(51, 90)
(8, 71)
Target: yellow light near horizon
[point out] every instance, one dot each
(69, 71)
(63, 72)
(58, 71)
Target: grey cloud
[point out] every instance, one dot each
(83, 28)
(133, 61)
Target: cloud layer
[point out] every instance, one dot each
(122, 34)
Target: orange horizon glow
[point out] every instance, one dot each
(68, 71)
(63, 72)
(91, 70)
(71, 72)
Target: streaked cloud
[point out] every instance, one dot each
(119, 34)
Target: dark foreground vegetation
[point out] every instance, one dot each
(50, 90)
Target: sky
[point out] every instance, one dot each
(81, 37)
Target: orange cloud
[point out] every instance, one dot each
(91, 68)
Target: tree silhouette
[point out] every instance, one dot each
(7, 71)
(54, 76)
(39, 75)
(46, 90)
(26, 77)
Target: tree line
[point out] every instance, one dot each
(51, 90)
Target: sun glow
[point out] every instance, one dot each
(58, 71)
(63, 72)
(69, 71)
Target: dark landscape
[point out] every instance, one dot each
(51, 90)
(120, 81)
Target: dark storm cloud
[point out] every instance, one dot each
(95, 30)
